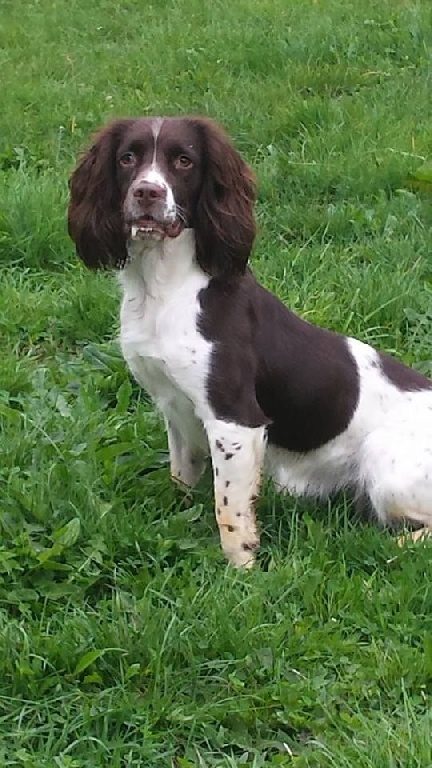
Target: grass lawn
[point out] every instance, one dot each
(125, 640)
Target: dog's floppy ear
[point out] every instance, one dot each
(94, 217)
(224, 224)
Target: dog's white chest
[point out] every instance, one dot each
(159, 333)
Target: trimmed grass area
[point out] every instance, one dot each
(125, 639)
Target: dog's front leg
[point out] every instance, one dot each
(187, 453)
(237, 457)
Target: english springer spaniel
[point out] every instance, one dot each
(169, 204)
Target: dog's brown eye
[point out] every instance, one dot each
(127, 158)
(183, 161)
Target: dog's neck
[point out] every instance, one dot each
(156, 268)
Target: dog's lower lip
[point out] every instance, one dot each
(174, 229)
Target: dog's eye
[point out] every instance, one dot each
(126, 159)
(183, 161)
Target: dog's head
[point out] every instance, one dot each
(149, 178)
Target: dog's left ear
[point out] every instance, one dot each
(225, 224)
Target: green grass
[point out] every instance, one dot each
(125, 639)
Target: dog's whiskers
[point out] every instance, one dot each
(180, 213)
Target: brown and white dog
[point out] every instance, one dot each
(169, 204)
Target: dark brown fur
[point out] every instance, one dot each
(404, 378)
(271, 367)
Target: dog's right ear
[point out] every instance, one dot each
(95, 220)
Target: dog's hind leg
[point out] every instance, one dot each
(397, 474)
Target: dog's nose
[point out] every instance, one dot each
(147, 192)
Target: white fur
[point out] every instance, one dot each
(159, 336)
(156, 128)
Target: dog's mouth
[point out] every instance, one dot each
(149, 227)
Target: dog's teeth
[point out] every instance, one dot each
(137, 230)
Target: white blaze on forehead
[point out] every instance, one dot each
(154, 176)
(156, 127)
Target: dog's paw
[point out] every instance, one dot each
(422, 535)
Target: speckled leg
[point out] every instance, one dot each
(237, 457)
